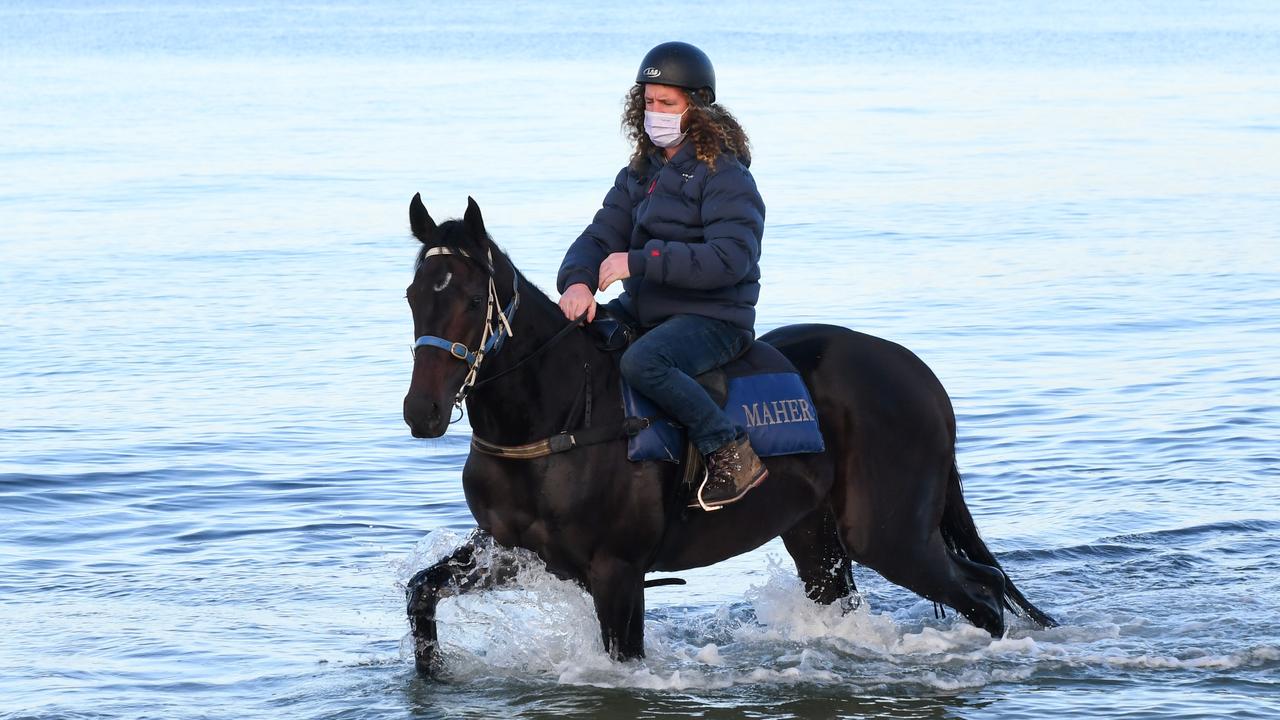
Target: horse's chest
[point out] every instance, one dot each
(513, 503)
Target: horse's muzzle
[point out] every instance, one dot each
(425, 418)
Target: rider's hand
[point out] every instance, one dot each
(578, 298)
(614, 267)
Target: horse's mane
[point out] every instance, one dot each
(452, 234)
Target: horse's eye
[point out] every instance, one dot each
(475, 301)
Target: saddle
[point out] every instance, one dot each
(760, 391)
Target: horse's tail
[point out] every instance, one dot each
(961, 537)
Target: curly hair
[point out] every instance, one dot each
(712, 128)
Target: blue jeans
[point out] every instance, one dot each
(660, 365)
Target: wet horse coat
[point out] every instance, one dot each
(885, 494)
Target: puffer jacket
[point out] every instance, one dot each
(692, 239)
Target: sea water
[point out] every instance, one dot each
(209, 504)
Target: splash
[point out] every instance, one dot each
(542, 629)
(532, 627)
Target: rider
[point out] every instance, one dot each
(681, 228)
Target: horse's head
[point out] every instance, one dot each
(453, 300)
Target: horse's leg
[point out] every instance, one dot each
(821, 562)
(890, 434)
(617, 588)
(898, 534)
(461, 571)
(935, 573)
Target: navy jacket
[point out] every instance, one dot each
(692, 239)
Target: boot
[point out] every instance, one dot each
(732, 470)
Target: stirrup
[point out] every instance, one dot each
(706, 475)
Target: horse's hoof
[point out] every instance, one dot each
(428, 668)
(992, 622)
(849, 603)
(426, 658)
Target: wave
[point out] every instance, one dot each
(1192, 539)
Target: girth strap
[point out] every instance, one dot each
(562, 442)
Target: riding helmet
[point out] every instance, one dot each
(679, 64)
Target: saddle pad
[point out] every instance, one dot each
(760, 391)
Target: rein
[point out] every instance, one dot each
(541, 348)
(564, 440)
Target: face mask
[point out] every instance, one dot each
(664, 128)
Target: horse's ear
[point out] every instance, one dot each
(424, 228)
(475, 224)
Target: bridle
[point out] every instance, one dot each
(497, 324)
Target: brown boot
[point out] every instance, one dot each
(732, 470)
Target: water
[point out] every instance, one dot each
(210, 503)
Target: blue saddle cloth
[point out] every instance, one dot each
(760, 391)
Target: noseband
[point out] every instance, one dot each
(497, 325)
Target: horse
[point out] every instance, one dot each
(548, 471)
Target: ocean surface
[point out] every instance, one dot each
(209, 503)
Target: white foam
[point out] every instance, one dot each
(710, 655)
(1228, 661)
(544, 628)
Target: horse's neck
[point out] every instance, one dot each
(534, 400)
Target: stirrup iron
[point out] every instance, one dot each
(706, 475)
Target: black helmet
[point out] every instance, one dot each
(679, 64)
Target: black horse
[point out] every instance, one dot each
(885, 494)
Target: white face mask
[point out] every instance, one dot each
(664, 128)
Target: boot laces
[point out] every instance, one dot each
(725, 464)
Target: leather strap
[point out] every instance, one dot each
(561, 442)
